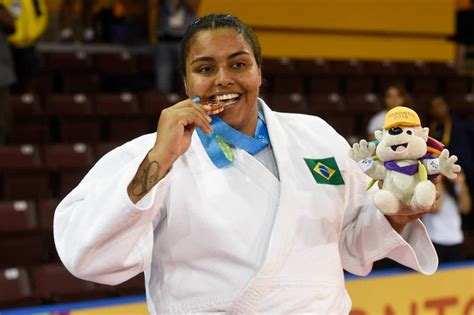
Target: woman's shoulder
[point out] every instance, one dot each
(309, 130)
(302, 122)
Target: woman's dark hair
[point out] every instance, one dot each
(218, 21)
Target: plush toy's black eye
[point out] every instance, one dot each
(409, 132)
(395, 131)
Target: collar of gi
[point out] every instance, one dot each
(219, 143)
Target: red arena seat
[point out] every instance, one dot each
(17, 216)
(16, 288)
(65, 286)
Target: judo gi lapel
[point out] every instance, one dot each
(281, 148)
(279, 239)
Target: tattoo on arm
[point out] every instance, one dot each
(147, 176)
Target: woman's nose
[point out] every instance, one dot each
(223, 77)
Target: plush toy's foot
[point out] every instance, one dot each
(386, 202)
(424, 195)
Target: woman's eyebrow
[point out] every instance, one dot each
(238, 53)
(208, 59)
(205, 58)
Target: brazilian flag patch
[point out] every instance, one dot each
(325, 171)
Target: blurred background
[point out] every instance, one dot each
(80, 77)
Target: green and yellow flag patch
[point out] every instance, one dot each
(325, 171)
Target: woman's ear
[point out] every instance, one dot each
(185, 86)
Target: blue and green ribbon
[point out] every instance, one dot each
(220, 142)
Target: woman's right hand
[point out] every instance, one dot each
(175, 128)
(173, 137)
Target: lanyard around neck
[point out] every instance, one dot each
(219, 144)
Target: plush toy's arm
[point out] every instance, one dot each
(374, 169)
(362, 153)
(447, 164)
(362, 150)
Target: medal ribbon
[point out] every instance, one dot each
(219, 143)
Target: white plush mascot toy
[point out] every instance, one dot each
(405, 160)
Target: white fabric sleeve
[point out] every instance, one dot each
(100, 234)
(367, 236)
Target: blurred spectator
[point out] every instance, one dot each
(87, 17)
(464, 36)
(444, 226)
(112, 22)
(31, 18)
(7, 76)
(465, 24)
(26, 67)
(395, 95)
(457, 135)
(173, 18)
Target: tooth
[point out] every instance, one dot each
(224, 97)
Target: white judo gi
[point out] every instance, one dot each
(236, 239)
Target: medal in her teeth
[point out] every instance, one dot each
(224, 100)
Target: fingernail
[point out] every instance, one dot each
(196, 99)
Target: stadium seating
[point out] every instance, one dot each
(15, 287)
(22, 174)
(19, 216)
(23, 249)
(105, 147)
(154, 102)
(122, 114)
(73, 114)
(290, 103)
(326, 103)
(289, 84)
(81, 82)
(30, 123)
(45, 211)
(65, 286)
(382, 68)
(458, 85)
(115, 63)
(346, 68)
(79, 60)
(364, 103)
(359, 85)
(69, 162)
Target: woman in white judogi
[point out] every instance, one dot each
(254, 211)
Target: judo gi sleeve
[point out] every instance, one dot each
(100, 235)
(367, 235)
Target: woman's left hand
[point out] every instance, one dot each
(398, 222)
